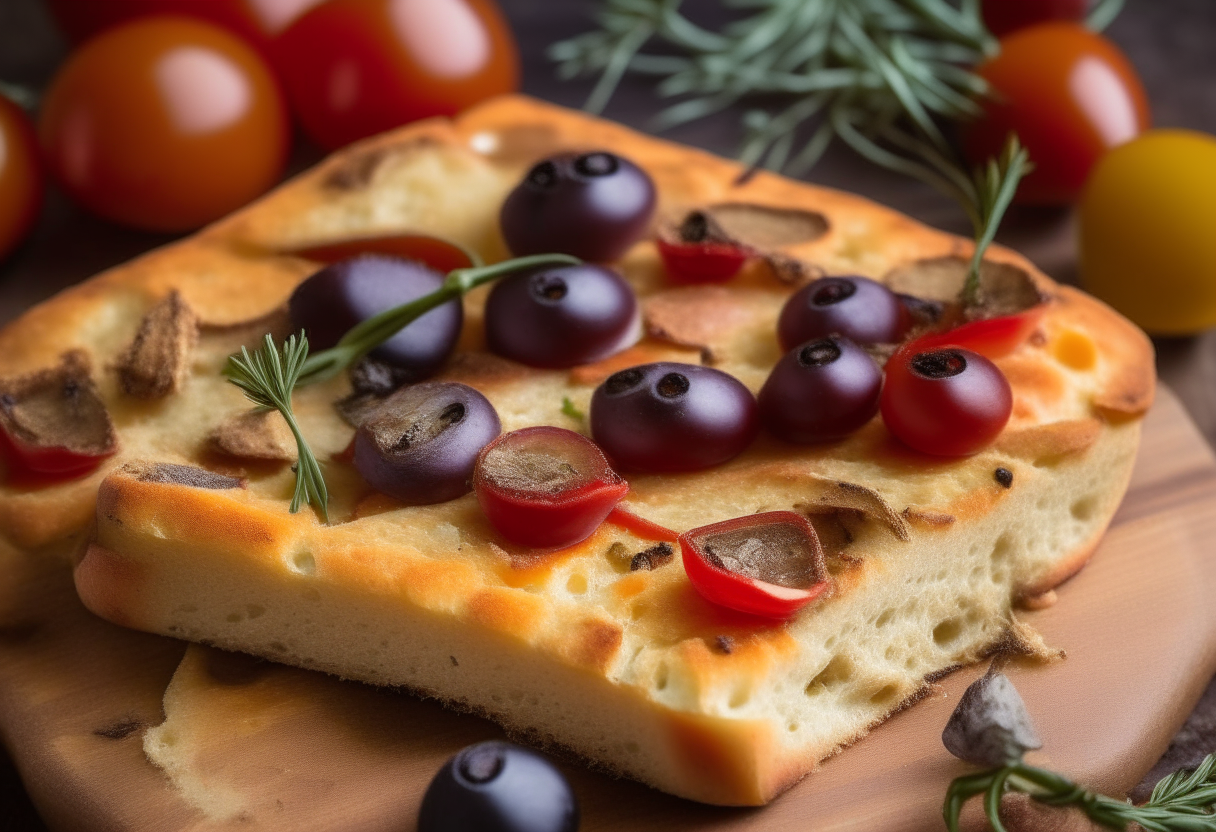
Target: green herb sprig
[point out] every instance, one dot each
(269, 377)
(1182, 802)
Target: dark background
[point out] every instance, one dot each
(1172, 43)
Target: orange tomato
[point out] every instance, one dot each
(20, 177)
(164, 123)
(354, 68)
(1069, 94)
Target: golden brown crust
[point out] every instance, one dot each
(575, 627)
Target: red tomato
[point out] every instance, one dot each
(1005, 16)
(440, 255)
(1069, 94)
(164, 123)
(354, 68)
(945, 401)
(640, 526)
(256, 20)
(705, 262)
(990, 337)
(32, 465)
(545, 487)
(20, 176)
(710, 576)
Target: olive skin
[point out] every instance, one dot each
(498, 787)
(593, 206)
(670, 417)
(821, 391)
(421, 444)
(863, 310)
(561, 317)
(331, 301)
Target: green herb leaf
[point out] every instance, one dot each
(268, 378)
(570, 410)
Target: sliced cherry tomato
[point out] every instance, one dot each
(440, 255)
(35, 465)
(20, 177)
(354, 68)
(944, 401)
(990, 337)
(640, 526)
(768, 564)
(255, 20)
(1005, 16)
(546, 487)
(705, 262)
(164, 123)
(1069, 94)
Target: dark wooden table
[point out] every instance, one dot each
(1169, 41)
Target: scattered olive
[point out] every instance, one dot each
(861, 309)
(820, 391)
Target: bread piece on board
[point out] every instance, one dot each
(631, 670)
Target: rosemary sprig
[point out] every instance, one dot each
(995, 184)
(268, 378)
(1182, 802)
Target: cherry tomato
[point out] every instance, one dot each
(20, 177)
(640, 526)
(545, 487)
(1069, 94)
(441, 255)
(32, 465)
(946, 402)
(164, 123)
(705, 262)
(990, 337)
(1005, 16)
(1146, 231)
(354, 68)
(255, 20)
(768, 564)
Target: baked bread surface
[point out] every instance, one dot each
(631, 670)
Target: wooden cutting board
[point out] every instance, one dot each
(295, 750)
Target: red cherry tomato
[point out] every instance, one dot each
(164, 123)
(545, 487)
(20, 177)
(36, 465)
(354, 68)
(946, 401)
(737, 563)
(255, 20)
(1069, 94)
(990, 337)
(439, 254)
(706, 262)
(640, 526)
(1005, 16)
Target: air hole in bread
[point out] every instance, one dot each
(1084, 508)
(947, 632)
(837, 673)
(660, 677)
(884, 619)
(740, 696)
(304, 563)
(885, 696)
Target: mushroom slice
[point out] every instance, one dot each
(157, 361)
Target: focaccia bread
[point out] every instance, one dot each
(629, 668)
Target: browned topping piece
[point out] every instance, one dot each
(708, 318)
(58, 408)
(724, 644)
(354, 171)
(927, 518)
(1005, 289)
(168, 473)
(1004, 476)
(652, 558)
(156, 362)
(832, 496)
(792, 271)
(765, 227)
(372, 382)
(255, 434)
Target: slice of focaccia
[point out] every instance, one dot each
(591, 648)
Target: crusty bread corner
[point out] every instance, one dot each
(631, 670)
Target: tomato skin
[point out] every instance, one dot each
(255, 20)
(640, 526)
(739, 592)
(164, 123)
(1147, 226)
(1069, 94)
(439, 254)
(21, 177)
(1005, 16)
(954, 415)
(30, 465)
(706, 262)
(354, 68)
(990, 337)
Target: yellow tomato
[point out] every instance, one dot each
(1148, 231)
